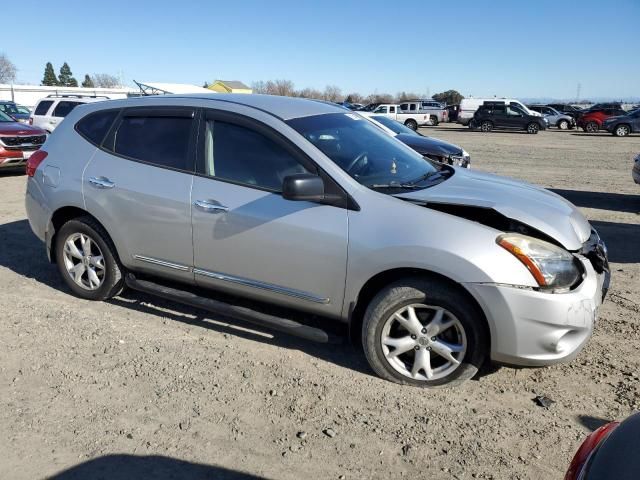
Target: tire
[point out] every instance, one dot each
(424, 296)
(486, 126)
(591, 127)
(472, 124)
(563, 125)
(434, 120)
(533, 128)
(621, 130)
(108, 271)
(412, 124)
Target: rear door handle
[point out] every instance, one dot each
(101, 182)
(210, 207)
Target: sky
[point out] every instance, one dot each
(540, 49)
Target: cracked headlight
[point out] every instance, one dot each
(553, 267)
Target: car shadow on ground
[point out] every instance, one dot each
(126, 467)
(621, 240)
(592, 423)
(24, 254)
(618, 202)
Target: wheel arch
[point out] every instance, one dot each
(380, 280)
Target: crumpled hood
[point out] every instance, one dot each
(429, 145)
(534, 206)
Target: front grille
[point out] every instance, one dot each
(22, 140)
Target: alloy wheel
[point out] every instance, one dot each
(592, 127)
(84, 261)
(532, 128)
(486, 126)
(563, 125)
(423, 342)
(622, 131)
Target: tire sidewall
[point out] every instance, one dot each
(412, 125)
(486, 126)
(533, 128)
(624, 133)
(112, 282)
(565, 123)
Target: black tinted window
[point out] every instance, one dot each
(95, 126)
(43, 107)
(63, 109)
(163, 141)
(245, 156)
(498, 109)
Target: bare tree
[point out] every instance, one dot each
(332, 93)
(404, 96)
(380, 98)
(259, 87)
(105, 80)
(7, 69)
(354, 97)
(283, 88)
(310, 93)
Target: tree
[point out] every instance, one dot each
(332, 93)
(205, 85)
(49, 78)
(284, 88)
(259, 87)
(450, 97)
(65, 78)
(404, 96)
(309, 93)
(354, 97)
(87, 82)
(7, 69)
(104, 80)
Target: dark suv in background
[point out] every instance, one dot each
(567, 109)
(623, 125)
(509, 117)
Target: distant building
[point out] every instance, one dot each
(229, 86)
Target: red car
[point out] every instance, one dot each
(591, 120)
(18, 141)
(611, 452)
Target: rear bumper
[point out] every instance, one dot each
(533, 328)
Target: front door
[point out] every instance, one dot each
(514, 117)
(138, 185)
(247, 238)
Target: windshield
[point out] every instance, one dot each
(23, 110)
(5, 118)
(393, 125)
(9, 108)
(362, 150)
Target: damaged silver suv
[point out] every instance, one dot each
(281, 211)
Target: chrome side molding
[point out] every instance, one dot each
(162, 263)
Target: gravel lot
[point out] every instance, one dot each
(138, 387)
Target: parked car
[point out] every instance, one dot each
(623, 125)
(592, 120)
(452, 112)
(469, 106)
(635, 171)
(494, 115)
(436, 111)
(50, 111)
(413, 120)
(555, 118)
(17, 142)
(429, 147)
(610, 452)
(567, 109)
(316, 213)
(12, 110)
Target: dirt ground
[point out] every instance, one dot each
(139, 388)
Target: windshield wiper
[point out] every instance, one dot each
(425, 177)
(395, 185)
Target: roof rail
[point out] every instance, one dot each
(55, 95)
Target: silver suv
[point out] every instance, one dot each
(285, 202)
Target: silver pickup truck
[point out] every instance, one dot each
(435, 110)
(413, 120)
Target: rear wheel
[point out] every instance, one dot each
(423, 333)
(533, 128)
(87, 260)
(412, 124)
(563, 125)
(591, 127)
(434, 120)
(622, 131)
(486, 126)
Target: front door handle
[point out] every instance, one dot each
(101, 182)
(209, 206)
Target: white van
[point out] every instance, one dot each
(468, 107)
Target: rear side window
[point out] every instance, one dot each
(63, 109)
(161, 140)
(96, 125)
(43, 107)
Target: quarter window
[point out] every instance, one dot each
(95, 126)
(243, 155)
(162, 140)
(63, 109)
(43, 107)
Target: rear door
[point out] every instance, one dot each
(60, 111)
(247, 238)
(138, 185)
(499, 116)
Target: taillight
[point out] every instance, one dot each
(586, 449)
(34, 161)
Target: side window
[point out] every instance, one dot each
(96, 125)
(381, 110)
(160, 140)
(412, 107)
(498, 109)
(43, 107)
(243, 155)
(514, 111)
(63, 109)
(392, 109)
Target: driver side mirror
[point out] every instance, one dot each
(303, 187)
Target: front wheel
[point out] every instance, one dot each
(591, 127)
(486, 126)
(87, 260)
(412, 124)
(622, 131)
(533, 128)
(563, 125)
(423, 333)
